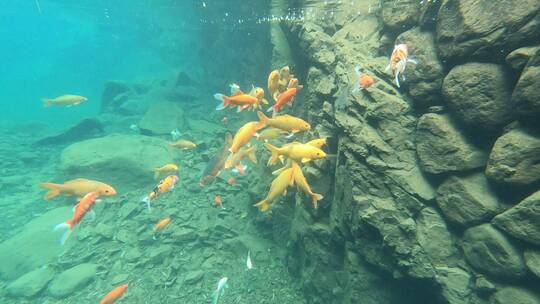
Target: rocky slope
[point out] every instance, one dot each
(434, 194)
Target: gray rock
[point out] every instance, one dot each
(441, 147)
(400, 16)
(455, 284)
(31, 283)
(104, 230)
(482, 28)
(532, 260)
(484, 286)
(467, 200)
(490, 252)
(514, 295)
(518, 58)
(112, 89)
(515, 159)
(479, 95)
(122, 160)
(424, 79)
(157, 255)
(523, 220)
(434, 237)
(161, 118)
(526, 96)
(192, 277)
(72, 280)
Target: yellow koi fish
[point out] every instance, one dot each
(277, 188)
(302, 184)
(285, 122)
(297, 151)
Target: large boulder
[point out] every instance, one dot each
(424, 79)
(31, 283)
(113, 90)
(468, 200)
(434, 237)
(523, 220)
(526, 96)
(399, 17)
(490, 252)
(479, 95)
(484, 27)
(125, 161)
(514, 295)
(455, 284)
(34, 246)
(515, 159)
(161, 118)
(72, 280)
(442, 147)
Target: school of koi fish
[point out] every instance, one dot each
(283, 88)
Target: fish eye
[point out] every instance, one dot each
(106, 191)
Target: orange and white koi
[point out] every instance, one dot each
(240, 99)
(165, 185)
(398, 61)
(83, 207)
(114, 295)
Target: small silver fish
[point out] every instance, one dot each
(220, 290)
(248, 261)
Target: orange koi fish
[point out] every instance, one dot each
(284, 98)
(162, 224)
(114, 295)
(240, 99)
(244, 135)
(216, 164)
(232, 181)
(83, 207)
(235, 159)
(165, 185)
(364, 81)
(77, 187)
(218, 201)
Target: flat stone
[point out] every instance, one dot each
(157, 255)
(467, 200)
(125, 161)
(526, 95)
(515, 159)
(490, 252)
(31, 283)
(518, 58)
(36, 244)
(192, 277)
(434, 237)
(523, 220)
(104, 230)
(455, 284)
(442, 147)
(161, 118)
(132, 254)
(72, 280)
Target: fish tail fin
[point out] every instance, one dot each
(146, 200)
(47, 102)
(263, 205)
(224, 101)
(315, 197)
(68, 227)
(263, 118)
(275, 154)
(251, 154)
(54, 190)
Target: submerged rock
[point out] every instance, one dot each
(35, 245)
(532, 260)
(514, 295)
(523, 220)
(515, 159)
(467, 200)
(518, 58)
(424, 79)
(490, 252)
(85, 129)
(161, 118)
(400, 16)
(441, 147)
(72, 280)
(483, 27)
(455, 284)
(124, 160)
(112, 90)
(31, 283)
(526, 96)
(479, 95)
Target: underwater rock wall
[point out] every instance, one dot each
(433, 196)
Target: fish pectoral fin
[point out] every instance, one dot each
(305, 160)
